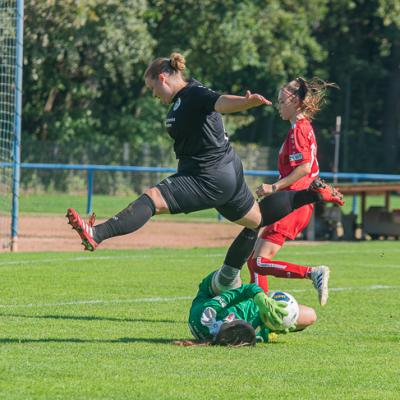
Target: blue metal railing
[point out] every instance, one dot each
(90, 169)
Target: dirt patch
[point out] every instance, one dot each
(50, 233)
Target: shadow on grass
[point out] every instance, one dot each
(94, 318)
(77, 340)
(5, 341)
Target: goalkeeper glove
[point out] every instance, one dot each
(271, 311)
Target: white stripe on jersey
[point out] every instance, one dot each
(314, 159)
(269, 264)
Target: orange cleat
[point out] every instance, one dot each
(85, 230)
(326, 192)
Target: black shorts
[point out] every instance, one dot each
(223, 189)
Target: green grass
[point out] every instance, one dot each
(106, 206)
(99, 326)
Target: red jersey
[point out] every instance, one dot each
(299, 147)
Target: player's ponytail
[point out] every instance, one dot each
(311, 94)
(178, 62)
(175, 64)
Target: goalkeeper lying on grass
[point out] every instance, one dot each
(226, 312)
(239, 317)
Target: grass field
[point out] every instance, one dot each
(104, 206)
(99, 326)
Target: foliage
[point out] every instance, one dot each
(83, 71)
(84, 64)
(360, 53)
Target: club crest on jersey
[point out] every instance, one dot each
(177, 104)
(229, 318)
(295, 157)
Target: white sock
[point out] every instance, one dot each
(226, 278)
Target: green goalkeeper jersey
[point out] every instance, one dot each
(208, 312)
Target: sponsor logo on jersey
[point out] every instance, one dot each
(169, 121)
(295, 157)
(221, 301)
(177, 104)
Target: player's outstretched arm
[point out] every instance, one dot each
(232, 297)
(229, 103)
(299, 172)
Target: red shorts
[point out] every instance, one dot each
(288, 227)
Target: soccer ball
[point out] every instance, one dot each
(292, 308)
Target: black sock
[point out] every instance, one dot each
(241, 248)
(128, 220)
(228, 276)
(278, 205)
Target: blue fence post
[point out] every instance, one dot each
(90, 178)
(354, 208)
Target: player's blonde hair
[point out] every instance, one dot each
(311, 94)
(175, 64)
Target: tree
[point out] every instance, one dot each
(84, 63)
(234, 46)
(361, 40)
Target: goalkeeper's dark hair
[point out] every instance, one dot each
(236, 333)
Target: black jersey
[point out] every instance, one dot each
(200, 141)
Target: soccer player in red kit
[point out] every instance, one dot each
(299, 101)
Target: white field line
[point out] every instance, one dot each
(97, 258)
(182, 257)
(90, 302)
(173, 299)
(344, 289)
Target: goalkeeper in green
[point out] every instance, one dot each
(238, 316)
(226, 312)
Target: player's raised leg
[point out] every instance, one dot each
(84, 229)
(127, 221)
(277, 205)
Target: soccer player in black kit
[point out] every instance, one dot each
(209, 174)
